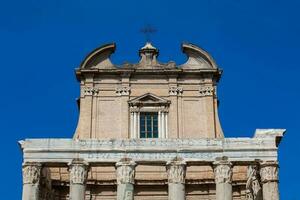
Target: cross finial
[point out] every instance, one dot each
(148, 30)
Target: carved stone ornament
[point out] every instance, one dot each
(123, 91)
(206, 91)
(253, 187)
(125, 171)
(78, 172)
(174, 91)
(90, 91)
(176, 171)
(269, 171)
(31, 173)
(223, 171)
(134, 109)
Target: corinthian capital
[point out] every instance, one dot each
(78, 172)
(125, 171)
(176, 170)
(223, 171)
(269, 171)
(31, 173)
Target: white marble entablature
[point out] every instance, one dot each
(112, 150)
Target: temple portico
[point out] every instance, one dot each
(126, 155)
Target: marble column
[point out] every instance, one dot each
(31, 181)
(269, 180)
(253, 187)
(78, 177)
(223, 179)
(176, 170)
(125, 170)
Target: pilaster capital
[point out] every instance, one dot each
(269, 171)
(90, 91)
(206, 90)
(31, 173)
(78, 172)
(125, 169)
(134, 109)
(123, 90)
(223, 171)
(176, 170)
(174, 90)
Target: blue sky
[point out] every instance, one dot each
(256, 43)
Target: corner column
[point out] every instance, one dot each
(125, 170)
(176, 170)
(78, 176)
(223, 179)
(269, 180)
(31, 181)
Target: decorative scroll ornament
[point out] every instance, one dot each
(176, 171)
(253, 187)
(123, 91)
(174, 91)
(206, 91)
(90, 91)
(125, 171)
(223, 171)
(269, 171)
(78, 173)
(31, 173)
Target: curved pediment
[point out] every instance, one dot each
(148, 99)
(197, 58)
(100, 58)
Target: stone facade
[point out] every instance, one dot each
(187, 155)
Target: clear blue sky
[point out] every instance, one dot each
(255, 42)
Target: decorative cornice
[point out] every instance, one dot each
(174, 91)
(78, 172)
(223, 171)
(90, 91)
(123, 91)
(125, 171)
(269, 171)
(206, 91)
(176, 171)
(31, 173)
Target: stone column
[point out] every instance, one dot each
(78, 176)
(223, 179)
(125, 169)
(269, 180)
(176, 170)
(31, 180)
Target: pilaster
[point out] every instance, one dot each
(269, 180)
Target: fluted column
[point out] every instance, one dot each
(269, 180)
(125, 179)
(176, 170)
(31, 181)
(78, 176)
(223, 179)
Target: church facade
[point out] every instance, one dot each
(151, 130)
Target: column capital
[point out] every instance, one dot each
(223, 171)
(269, 171)
(125, 171)
(78, 172)
(176, 170)
(31, 172)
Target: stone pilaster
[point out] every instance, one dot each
(125, 170)
(31, 181)
(176, 170)
(78, 177)
(269, 180)
(223, 179)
